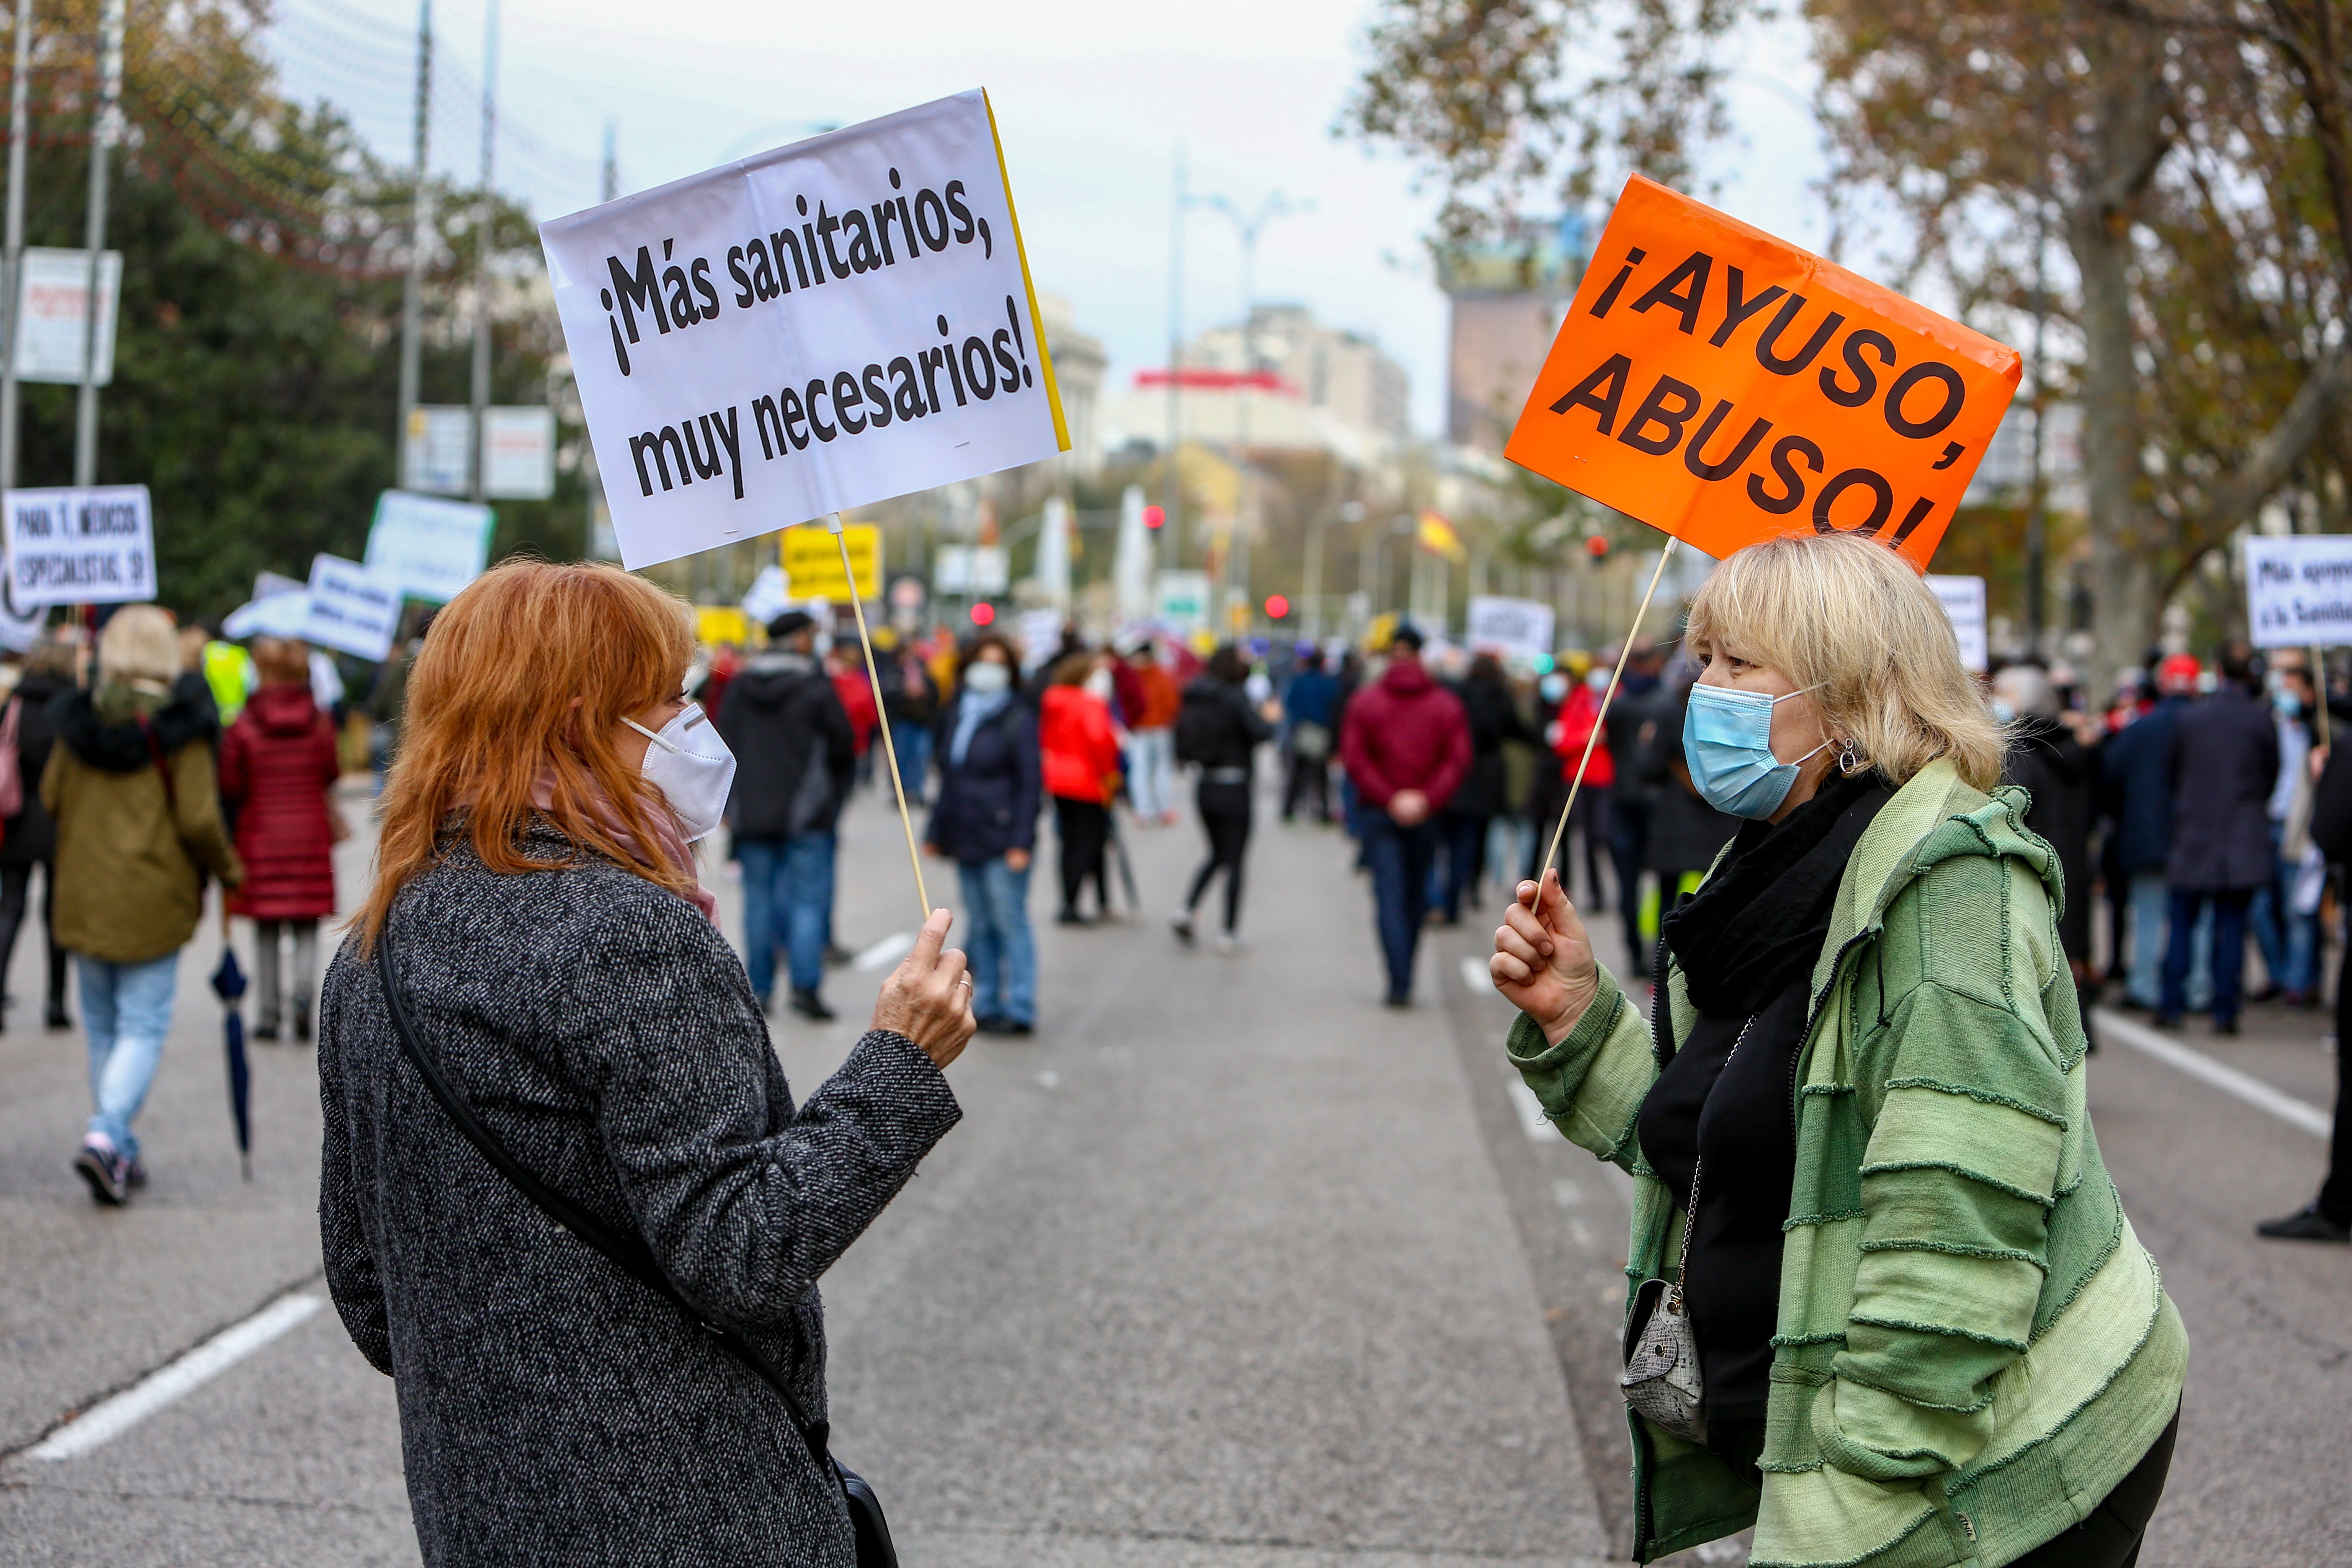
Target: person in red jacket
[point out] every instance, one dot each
(276, 765)
(1405, 742)
(1580, 710)
(1081, 759)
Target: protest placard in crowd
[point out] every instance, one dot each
(1963, 599)
(1727, 387)
(19, 629)
(80, 546)
(815, 328)
(768, 596)
(2299, 590)
(1515, 628)
(429, 547)
(351, 608)
(811, 561)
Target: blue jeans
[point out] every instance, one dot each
(2229, 950)
(126, 1010)
(1400, 858)
(914, 745)
(1003, 953)
(2289, 942)
(787, 902)
(2151, 908)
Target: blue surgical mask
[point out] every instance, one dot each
(1727, 742)
(2289, 704)
(1554, 687)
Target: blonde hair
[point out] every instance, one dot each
(528, 671)
(139, 644)
(1848, 618)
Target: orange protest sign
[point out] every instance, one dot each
(1727, 387)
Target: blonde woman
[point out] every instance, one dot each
(1887, 1307)
(130, 783)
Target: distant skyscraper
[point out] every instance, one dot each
(1507, 298)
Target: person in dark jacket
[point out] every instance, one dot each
(2136, 780)
(1494, 720)
(277, 765)
(992, 783)
(1310, 713)
(537, 905)
(796, 760)
(1634, 711)
(2052, 764)
(29, 838)
(2328, 1216)
(2225, 760)
(910, 706)
(1406, 744)
(1219, 732)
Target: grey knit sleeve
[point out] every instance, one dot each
(744, 1202)
(352, 1277)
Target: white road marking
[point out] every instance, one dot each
(885, 952)
(1579, 1233)
(2294, 1112)
(110, 1419)
(1049, 1078)
(1532, 1119)
(1476, 975)
(1567, 1194)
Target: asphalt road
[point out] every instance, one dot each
(1228, 1265)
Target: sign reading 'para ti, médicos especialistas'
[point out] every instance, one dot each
(817, 328)
(1728, 387)
(80, 546)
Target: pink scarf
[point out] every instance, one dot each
(670, 845)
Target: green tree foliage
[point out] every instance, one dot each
(257, 359)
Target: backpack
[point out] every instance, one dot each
(1200, 728)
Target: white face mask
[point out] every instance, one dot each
(692, 767)
(987, 676)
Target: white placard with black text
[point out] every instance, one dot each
(1519, 629)
(80, 547)
(1963, 599)
(2299, 590)
(353, 609)
(813, 329)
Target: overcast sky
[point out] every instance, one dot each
(1090, 100)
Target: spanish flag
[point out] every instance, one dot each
(1437, 535)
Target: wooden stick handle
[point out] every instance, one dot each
(1607, 697)
(881, 718)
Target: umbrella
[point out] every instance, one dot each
(228, 983)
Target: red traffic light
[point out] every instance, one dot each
(1153, 516)
(1596, 547)
(982, 613)
(1277, 606)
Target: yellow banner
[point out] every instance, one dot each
(812, 562)
(716, 624)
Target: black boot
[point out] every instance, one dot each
(809, 1004)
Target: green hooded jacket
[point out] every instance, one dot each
(1973, 1349)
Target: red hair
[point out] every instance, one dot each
(529, 670)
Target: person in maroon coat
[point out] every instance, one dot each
(1405, 741)
(278, 763)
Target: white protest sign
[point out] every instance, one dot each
(1520, 627)
(53, 301)
(2299, 590)
(814, 329)
(1039, 633)
(1963, 599)
(429, 547)
(80, 547)
(767, 597)
(284, 614)
(20, 630)
(351, 608)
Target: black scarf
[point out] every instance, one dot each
(1758, 924)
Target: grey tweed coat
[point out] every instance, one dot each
(552, 1409)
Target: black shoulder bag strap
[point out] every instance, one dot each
(633, 1257)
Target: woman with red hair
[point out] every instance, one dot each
(537, 937)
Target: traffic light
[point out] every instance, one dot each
(1153, 516)
(983, 614)
(1277, 606)
(1597, 547)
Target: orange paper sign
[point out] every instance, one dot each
(1727, 387)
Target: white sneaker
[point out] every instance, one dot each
(1225, 944)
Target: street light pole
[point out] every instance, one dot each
(1169, 546)
(13, 266)
(103, 135)
(420, 221)
(486, 209)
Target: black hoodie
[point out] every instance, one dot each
(795, 757)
